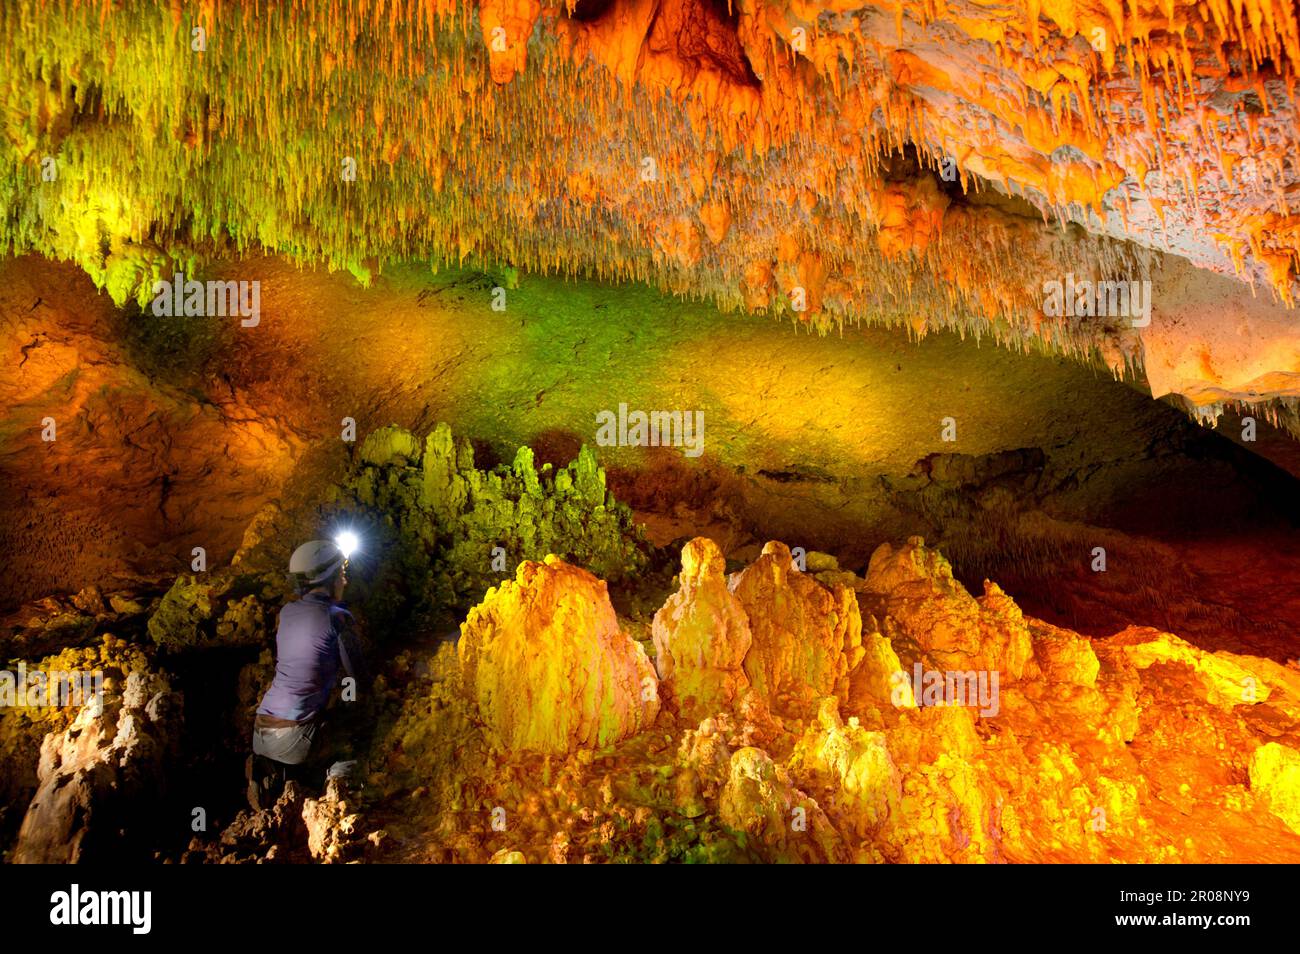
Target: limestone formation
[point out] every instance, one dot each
(332, 833)
(1086, 748)
(1275, 774)
(928, 607)
(550, 668)
(446, 530)
(807, 639)
(225, 608)
(852, 764)
(701, 637)
(950, 111)
(100, 772)
(760, 800)
(1223, 678)
(25, 723)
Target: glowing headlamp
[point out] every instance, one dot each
(347, 543)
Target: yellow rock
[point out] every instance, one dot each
(1226, 682)
(807, 639)
(701, 636)
(851, 760)
(548, 665)
(1275, 773)
(932, 609)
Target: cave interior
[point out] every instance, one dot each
(774, 430)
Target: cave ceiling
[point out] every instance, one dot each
(933, 165)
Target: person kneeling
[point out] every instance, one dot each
(315, 639)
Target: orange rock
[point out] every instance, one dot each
(852, 762)
(933, 610)
(507, 25)
(1064, 656)
(807, 639)
(760, 800)
(716, 218)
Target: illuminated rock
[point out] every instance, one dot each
(1225, 680)
(1102, 750)
(1174, 128)
(933, 610)
(1064, 656)
(701, 636)
(703, 766)
(24, 728)
(545, 660)
(331, 826)
(455, 529)
(850, 762)
(1275, 773)
(880, 679)
(225, 608)
(807, 639)
(99, 776)
(760, 800)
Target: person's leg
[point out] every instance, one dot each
(309, 772)
(282, 751)
(265, 781)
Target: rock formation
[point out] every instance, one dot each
(701, 637)
(925, 165)
(445, 530)
(101, 773)
(550, 668)
(925, 605)
(807, 638)
(1136, 747)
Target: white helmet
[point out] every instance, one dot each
(316, 561)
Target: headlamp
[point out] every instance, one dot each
(347, 543)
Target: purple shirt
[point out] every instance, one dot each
(308, 653)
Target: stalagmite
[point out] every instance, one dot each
(807, 639)
(550, 669)
(701, 636)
